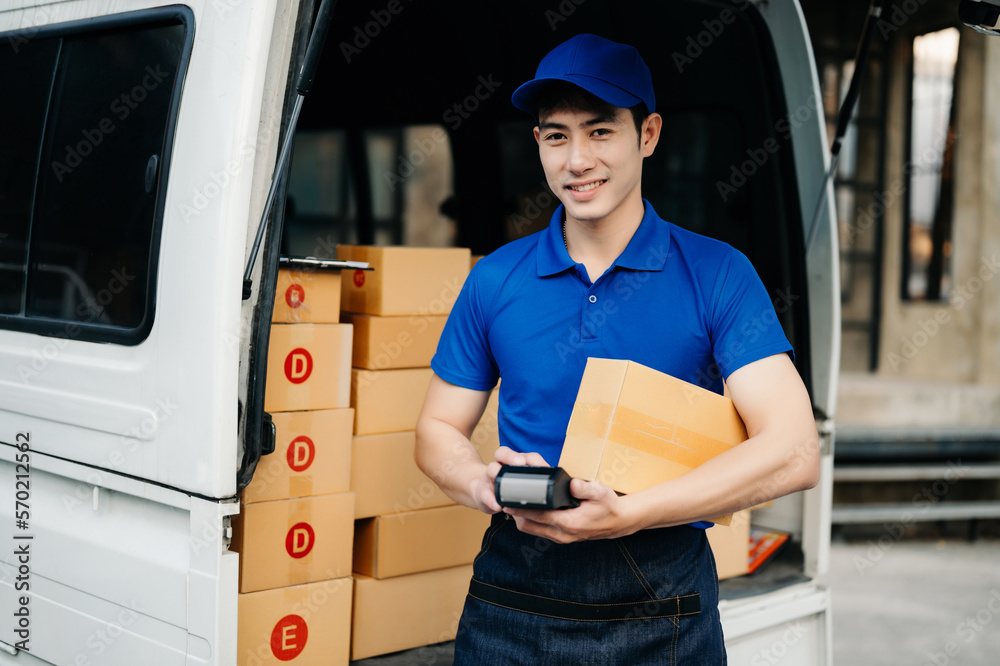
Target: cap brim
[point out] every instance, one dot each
(524, 97)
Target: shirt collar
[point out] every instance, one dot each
(650, 244)
(646, 251)
(552, 254)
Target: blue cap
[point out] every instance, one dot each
(613, 72)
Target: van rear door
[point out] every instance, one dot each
(132, 164)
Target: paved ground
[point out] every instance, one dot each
(915, 603)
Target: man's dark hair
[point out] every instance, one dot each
(560, 95)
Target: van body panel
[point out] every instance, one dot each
(134, 448)
(120, 567)
(810, 143)
(803, 513)
(167, 409)
(791, 625)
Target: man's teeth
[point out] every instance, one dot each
(588, 186)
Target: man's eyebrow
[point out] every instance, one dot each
(600, 119)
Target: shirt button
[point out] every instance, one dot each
(593, 298)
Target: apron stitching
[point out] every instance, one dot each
(722, 642)
(715, 572)
(676, 631)
(489, 540)
(635, 568)
(715, 575)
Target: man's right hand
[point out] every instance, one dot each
(483, 487)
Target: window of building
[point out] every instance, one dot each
(84, 144)
(930, 199)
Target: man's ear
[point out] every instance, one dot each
(650, 134)
(537, 139)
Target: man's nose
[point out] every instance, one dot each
(581, 157)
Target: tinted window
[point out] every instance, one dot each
(83, 152)
(25, 75)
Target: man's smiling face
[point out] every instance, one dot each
(593, 163)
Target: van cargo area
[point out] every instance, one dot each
(385, 134)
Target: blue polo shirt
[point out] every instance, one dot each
(676, 301)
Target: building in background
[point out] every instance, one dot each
(918, 203)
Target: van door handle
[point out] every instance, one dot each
(269, 437)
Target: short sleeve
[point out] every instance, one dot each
(744, 325)
(463, 354)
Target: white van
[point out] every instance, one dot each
(138, 140)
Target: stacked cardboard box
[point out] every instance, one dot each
(731, 545)
(295, 529)
(413, 545)
(398, 311)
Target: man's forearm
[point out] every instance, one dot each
(449, 459)
(781, 455)
(756, 471)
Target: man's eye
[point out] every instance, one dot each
(555, 136)
(602, 132)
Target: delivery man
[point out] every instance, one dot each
(620, 579)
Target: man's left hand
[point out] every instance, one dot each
(601, 515)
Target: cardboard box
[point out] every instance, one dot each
(388, 400)
(385, 478)
(302, 625)
(387, 343)
(414, 541)
(731, 545)
(312, 456)
(307, 296)
(294, 541)
(633, 427)
(405, 280)
(407, 611)
(308, 367)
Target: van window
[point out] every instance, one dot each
(383, 186)
(84, 140)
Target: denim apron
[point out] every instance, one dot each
(647, 598)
